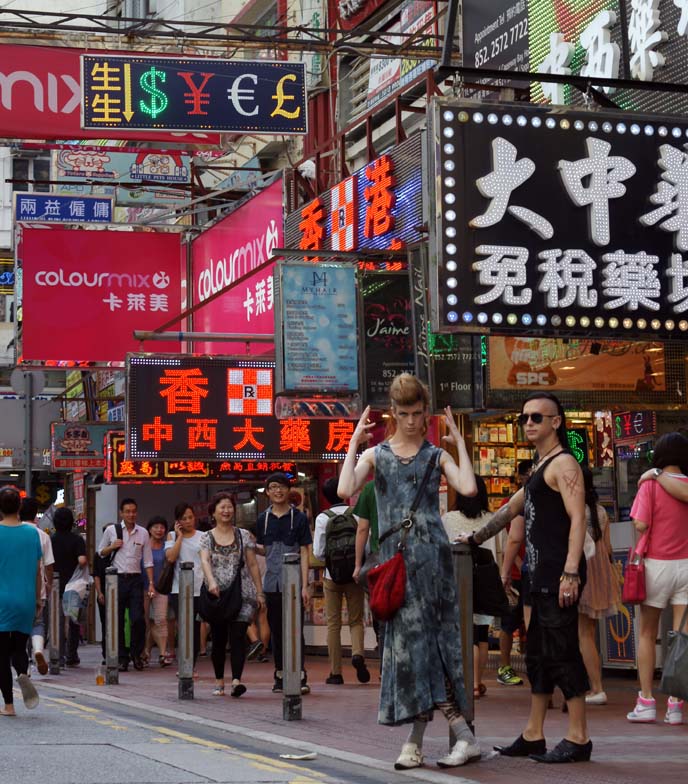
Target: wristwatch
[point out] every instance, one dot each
(657, 472)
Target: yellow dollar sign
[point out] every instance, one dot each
(280, 97)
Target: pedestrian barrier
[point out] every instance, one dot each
(55, 625)
(291, 636)
(111, 627)
(185, 647)
(463, 573)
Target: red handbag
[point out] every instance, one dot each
(387, 587)
(634, 590)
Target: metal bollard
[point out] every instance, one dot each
(55, 625)
(185, 651)
(463, 574)
(111, 627)
(291, 637)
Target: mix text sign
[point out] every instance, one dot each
(152, 93)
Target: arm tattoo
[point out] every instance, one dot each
(494, 525)
(572, 479)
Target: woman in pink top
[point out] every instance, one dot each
(663, 517)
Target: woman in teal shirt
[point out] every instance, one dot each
(20, 597)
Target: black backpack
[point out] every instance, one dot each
(340, 545)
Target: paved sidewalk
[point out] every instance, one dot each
(343, 719)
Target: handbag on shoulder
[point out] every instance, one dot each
(387, 582)
(226, 606)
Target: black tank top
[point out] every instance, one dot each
(547, 532)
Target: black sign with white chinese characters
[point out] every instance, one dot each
(560, 223)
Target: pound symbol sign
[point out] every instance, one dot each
(280, 97)
(158, 100)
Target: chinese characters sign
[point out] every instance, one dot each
(318, 322)
(569, 223)
(78, 446)
(121, 470)
(202, 409)
(85, 292)
(62, 209)
(185, 94)
(379, 207)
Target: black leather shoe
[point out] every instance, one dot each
(523, 748)
(334, 680)
(362, 672)
(138, 663)
(566, 751)
(123, 667)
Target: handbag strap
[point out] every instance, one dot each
(407, 522)
(644, 542)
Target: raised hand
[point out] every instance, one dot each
(453, 437)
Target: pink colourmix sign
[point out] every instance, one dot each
(238, 248)
(85, 292)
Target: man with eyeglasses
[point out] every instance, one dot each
(281, 529)
(553, 504)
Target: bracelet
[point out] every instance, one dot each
(570, 576)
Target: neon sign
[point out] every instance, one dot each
(191, 409)
(185, 94)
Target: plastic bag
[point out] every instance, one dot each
(76, 592)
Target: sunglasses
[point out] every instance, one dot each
(536, 418)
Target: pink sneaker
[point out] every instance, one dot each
(645, 711)
(674, 713)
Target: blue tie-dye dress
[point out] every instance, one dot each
(422, 643)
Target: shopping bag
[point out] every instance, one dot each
(675, 668)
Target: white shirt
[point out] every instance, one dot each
(190, 550)
(48, 558)
(319, 539)
(128, 558)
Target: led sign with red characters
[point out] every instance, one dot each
(121, 470)
(192, 410)
(379, 207)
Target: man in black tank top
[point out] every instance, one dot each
(553, 503)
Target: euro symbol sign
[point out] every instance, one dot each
(280, 97)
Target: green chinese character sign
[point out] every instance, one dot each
(184, 94)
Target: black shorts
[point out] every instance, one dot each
(514, 619)
(481, 633)
(553, 657)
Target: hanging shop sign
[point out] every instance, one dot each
(187, 94)
(352, 13)
(379, 207)
(78, 446)
(388, 74)
(40, 98)
(519, 363)
(198, 408)
(142, 177)
(631, 425)
(454, 359)
(237, 246)
(316, 328)
(121, 470)
(388, 332)
(495, 35)
(565, 224)
(51, 208)
(632, 39)
(93, 286)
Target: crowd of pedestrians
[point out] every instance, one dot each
(557, 564)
